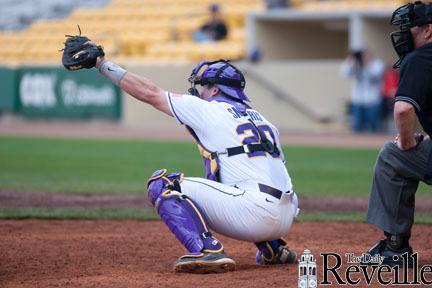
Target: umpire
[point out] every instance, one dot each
(402, 164)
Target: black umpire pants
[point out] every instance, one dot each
(396, 178)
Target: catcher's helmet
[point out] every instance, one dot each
(222, 74)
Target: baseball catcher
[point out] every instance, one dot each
(247, 194)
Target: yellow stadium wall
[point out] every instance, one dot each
(301, 40)
(315, 83)
(376, 36)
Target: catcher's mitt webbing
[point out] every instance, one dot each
(79, 52)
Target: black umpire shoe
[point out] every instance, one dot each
(388, 255)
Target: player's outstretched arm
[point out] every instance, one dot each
(137, 86)
(80, 52)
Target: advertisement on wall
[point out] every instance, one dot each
(56, 93)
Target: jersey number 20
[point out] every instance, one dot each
(250, 136)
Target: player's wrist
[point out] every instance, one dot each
(407, 143)
(112, 71)
(99, 61)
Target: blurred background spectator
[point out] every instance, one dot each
(276, 4)
(388, 90)
(214, 29)
(366, 72)
(255, 55)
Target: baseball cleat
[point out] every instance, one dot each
(284, 256)
(389, 256)
(204, 263)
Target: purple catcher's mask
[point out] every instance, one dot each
(222, 74)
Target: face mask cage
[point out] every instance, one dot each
(402, 40)
(406, 17)
(193, 90)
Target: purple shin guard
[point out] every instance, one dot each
(185, 220)
(182, 216)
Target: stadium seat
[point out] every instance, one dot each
(154, 30)
(151, 30)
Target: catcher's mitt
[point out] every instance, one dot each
(79, 52)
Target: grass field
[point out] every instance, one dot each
(120, 166)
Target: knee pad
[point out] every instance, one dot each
(182, 215)
(161, 181)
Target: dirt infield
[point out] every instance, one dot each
(140, 254)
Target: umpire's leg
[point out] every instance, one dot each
(395, 182)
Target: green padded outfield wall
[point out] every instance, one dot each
(49, 92)
(8, 99)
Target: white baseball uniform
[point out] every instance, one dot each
(236, 207)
